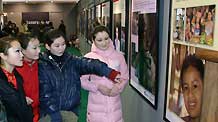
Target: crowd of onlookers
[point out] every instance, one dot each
(11, 28)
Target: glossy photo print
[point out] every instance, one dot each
(144, 51)
(200, 23)
(117, 31)
(192, 80)
(120, 26)
(106, 14)
(188, 85)
(178, 30)
(181, 83)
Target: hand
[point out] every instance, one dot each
(104, 90)
(115, 90)
(118, 79)
(29, 101)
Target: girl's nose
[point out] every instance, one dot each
(21, 54)
(190, 93)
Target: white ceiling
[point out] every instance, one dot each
(27, 1)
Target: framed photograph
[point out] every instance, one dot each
(144, 49)
(120, 26)
(98, 13)
(106, 14)
(117, 31)
(82, 22)
(90, 23)
(192, 62)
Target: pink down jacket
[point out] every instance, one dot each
(103, 108)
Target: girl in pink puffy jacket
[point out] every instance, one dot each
(104, 102)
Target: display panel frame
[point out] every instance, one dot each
(144, 51)
(120, 26)
(183, 44)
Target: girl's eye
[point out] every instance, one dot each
(195, 86)
(18, 51)
(99, 40)
(185, 87)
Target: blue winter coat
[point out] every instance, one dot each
(60, 86)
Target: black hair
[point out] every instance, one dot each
(99, 28)
(5, 44)
(195, 62)
(24, 39)
(73, 37)
(52, 35)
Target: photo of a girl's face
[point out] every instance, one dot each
(135, 19)
(192, 89)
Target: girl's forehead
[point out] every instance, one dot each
(15, 43)
(59, 40)
(102, 33)
(34, 40)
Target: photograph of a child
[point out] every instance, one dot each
(144, 64)
(186, 83)
(200, 22)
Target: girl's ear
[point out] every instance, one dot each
(3, 56)
(47, 47)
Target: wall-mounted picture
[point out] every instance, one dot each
(178, 28)
(200, 23)
(188, 85)
(120, 20)
(123, 40)
(144, 49)
(106, 14)
(98, 13)
(90, 24)
(82, 22)
(117, 31)
(192, 80)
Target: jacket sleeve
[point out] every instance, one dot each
(124, 74)
(87, 84)
(47, 98)
(94, 66)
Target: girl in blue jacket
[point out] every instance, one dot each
(59, 75)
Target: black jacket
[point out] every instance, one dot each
(60, 85)
(14, 99)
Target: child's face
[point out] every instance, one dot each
(57, 47)
(102, 40)
(76, 42)
(192, 91)
(32, 50)
(209, 16)
(14, 56)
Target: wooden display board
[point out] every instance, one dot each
(193, 39)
